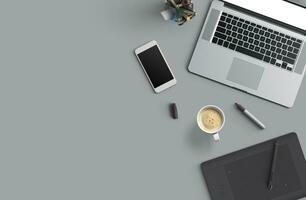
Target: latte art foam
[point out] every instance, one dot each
(211, 120)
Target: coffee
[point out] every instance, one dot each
(211, 120)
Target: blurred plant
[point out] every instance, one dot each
(179, 11)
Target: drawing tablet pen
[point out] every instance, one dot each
(250, 116)
(273, 166)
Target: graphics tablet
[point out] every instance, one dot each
(243, 175)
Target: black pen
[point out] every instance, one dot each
(273, 165)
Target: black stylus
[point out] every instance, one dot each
(273, 165)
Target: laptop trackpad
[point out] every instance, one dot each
(245, 73)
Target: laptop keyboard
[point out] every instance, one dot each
(257, 41)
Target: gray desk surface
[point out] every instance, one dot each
(80, 121)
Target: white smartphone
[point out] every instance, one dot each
(155, 66)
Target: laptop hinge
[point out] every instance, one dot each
(265, 18)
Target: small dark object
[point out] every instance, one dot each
(173, 111)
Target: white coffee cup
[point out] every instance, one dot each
(214, 119)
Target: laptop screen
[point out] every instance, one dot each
(298, 2)
(285, 11)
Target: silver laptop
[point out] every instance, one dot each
(257, 46)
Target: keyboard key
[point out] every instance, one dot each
(272, 36)
(222, 18)
(261, 44)
(275, 32)
(287, 36)
(234, 34)
(229, 39)
(220, 35)
(249, 52)
(296, 45)
(245, 32)
(288, 60)
(281, 34)
(250, 28)
(232, 46)
(240, 43)
(278, 65)
(262, 38)
(256, 36)
(278, 38)
(236, 18)
(252, 24)
(273, 48)
(245, 26)
(242, 20)
(220, 42)
(270, 30)
(284, 47)
(229, 26)
(284, 65)
(273, 55)
(262, 51)
(289, 42)
(267, 34)
(278, 50)
(256, 30)
(247, 22)
(295, 50)
(234, 22)
(273, 43)
(240, 30)
(256, 42)
(239, 24)
(267, 46)
(224, 13)
(279, 45)
(222, 24)
(235, 28)
(279, 57)
(215, 40)
(268, 53)
(230, 16)
(250, 40)
(284, 40)
(225, 44)
(258, 26)
(245, 38)
(273, 61)
(228, 20)
(235, 41)
(251, 34)
(267, 59)
(290, 49)
(299, 41)
(284, 52)
(228, 32)
(289, 68)
(252, 47)
(220, 29)
(291, 55)
(268, 41)
(257, 49)
(293, 39)
(261, 32)
(264, 28)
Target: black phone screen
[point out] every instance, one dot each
(155, 66)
